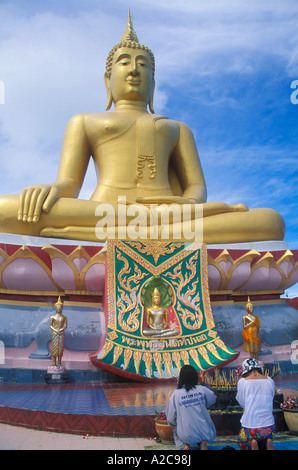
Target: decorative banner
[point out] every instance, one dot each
(158, 311)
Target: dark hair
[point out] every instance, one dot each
(258, 369)
(188, 377)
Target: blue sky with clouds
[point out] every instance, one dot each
(223, 67)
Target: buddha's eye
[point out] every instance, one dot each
(142, 64)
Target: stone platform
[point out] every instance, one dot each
(108, 409)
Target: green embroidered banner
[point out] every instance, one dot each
(158, 311)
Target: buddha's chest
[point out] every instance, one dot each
(143, 136)
(140, 147)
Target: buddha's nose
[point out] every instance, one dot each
(134, 67)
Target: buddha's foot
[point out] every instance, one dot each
(237, 207)
(70, 232)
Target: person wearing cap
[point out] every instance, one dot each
(255, 393)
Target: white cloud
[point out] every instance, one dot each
(230, 36)
(52, 68)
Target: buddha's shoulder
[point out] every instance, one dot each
(166, 121)
(94, 122)
(171, 122)
(85, 117)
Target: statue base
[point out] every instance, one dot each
(34, 271)
(56, 375)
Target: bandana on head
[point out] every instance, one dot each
(249, 364)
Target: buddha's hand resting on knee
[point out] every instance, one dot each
(37, 199)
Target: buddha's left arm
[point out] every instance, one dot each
(188, 166)
(75, 156)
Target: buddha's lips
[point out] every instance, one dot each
(133, 82)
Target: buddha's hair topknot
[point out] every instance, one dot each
(129, 39)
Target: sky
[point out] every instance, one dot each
(225, 68)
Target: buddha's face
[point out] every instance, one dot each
(250, 309)
(59, 308)
(131, 75)
(156, 299)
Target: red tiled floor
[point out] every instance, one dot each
(78, 424)
(3, 414)
(92, 425)
(121, 425)
(11, 415)
(33, 419)
(141, 426)
(21, 417)
(106, 425)
(43, 421)
(149, 426)
(65, 423)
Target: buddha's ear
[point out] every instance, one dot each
(109, 93)
(151, 98)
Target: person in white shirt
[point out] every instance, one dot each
(255, 393)
(187, 411)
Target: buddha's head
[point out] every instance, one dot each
(130, 68)
(59, 305)
(156, 297)
(249, 306)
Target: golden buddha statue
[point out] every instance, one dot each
(157, 318)
(58, 325)
(141, 158)
(251, 335)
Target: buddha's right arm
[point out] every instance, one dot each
(74, 160)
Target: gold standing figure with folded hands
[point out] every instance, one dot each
(58, 325)
(251, 332)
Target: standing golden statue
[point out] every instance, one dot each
(58, 325)
(140, 157)
(251, 333)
